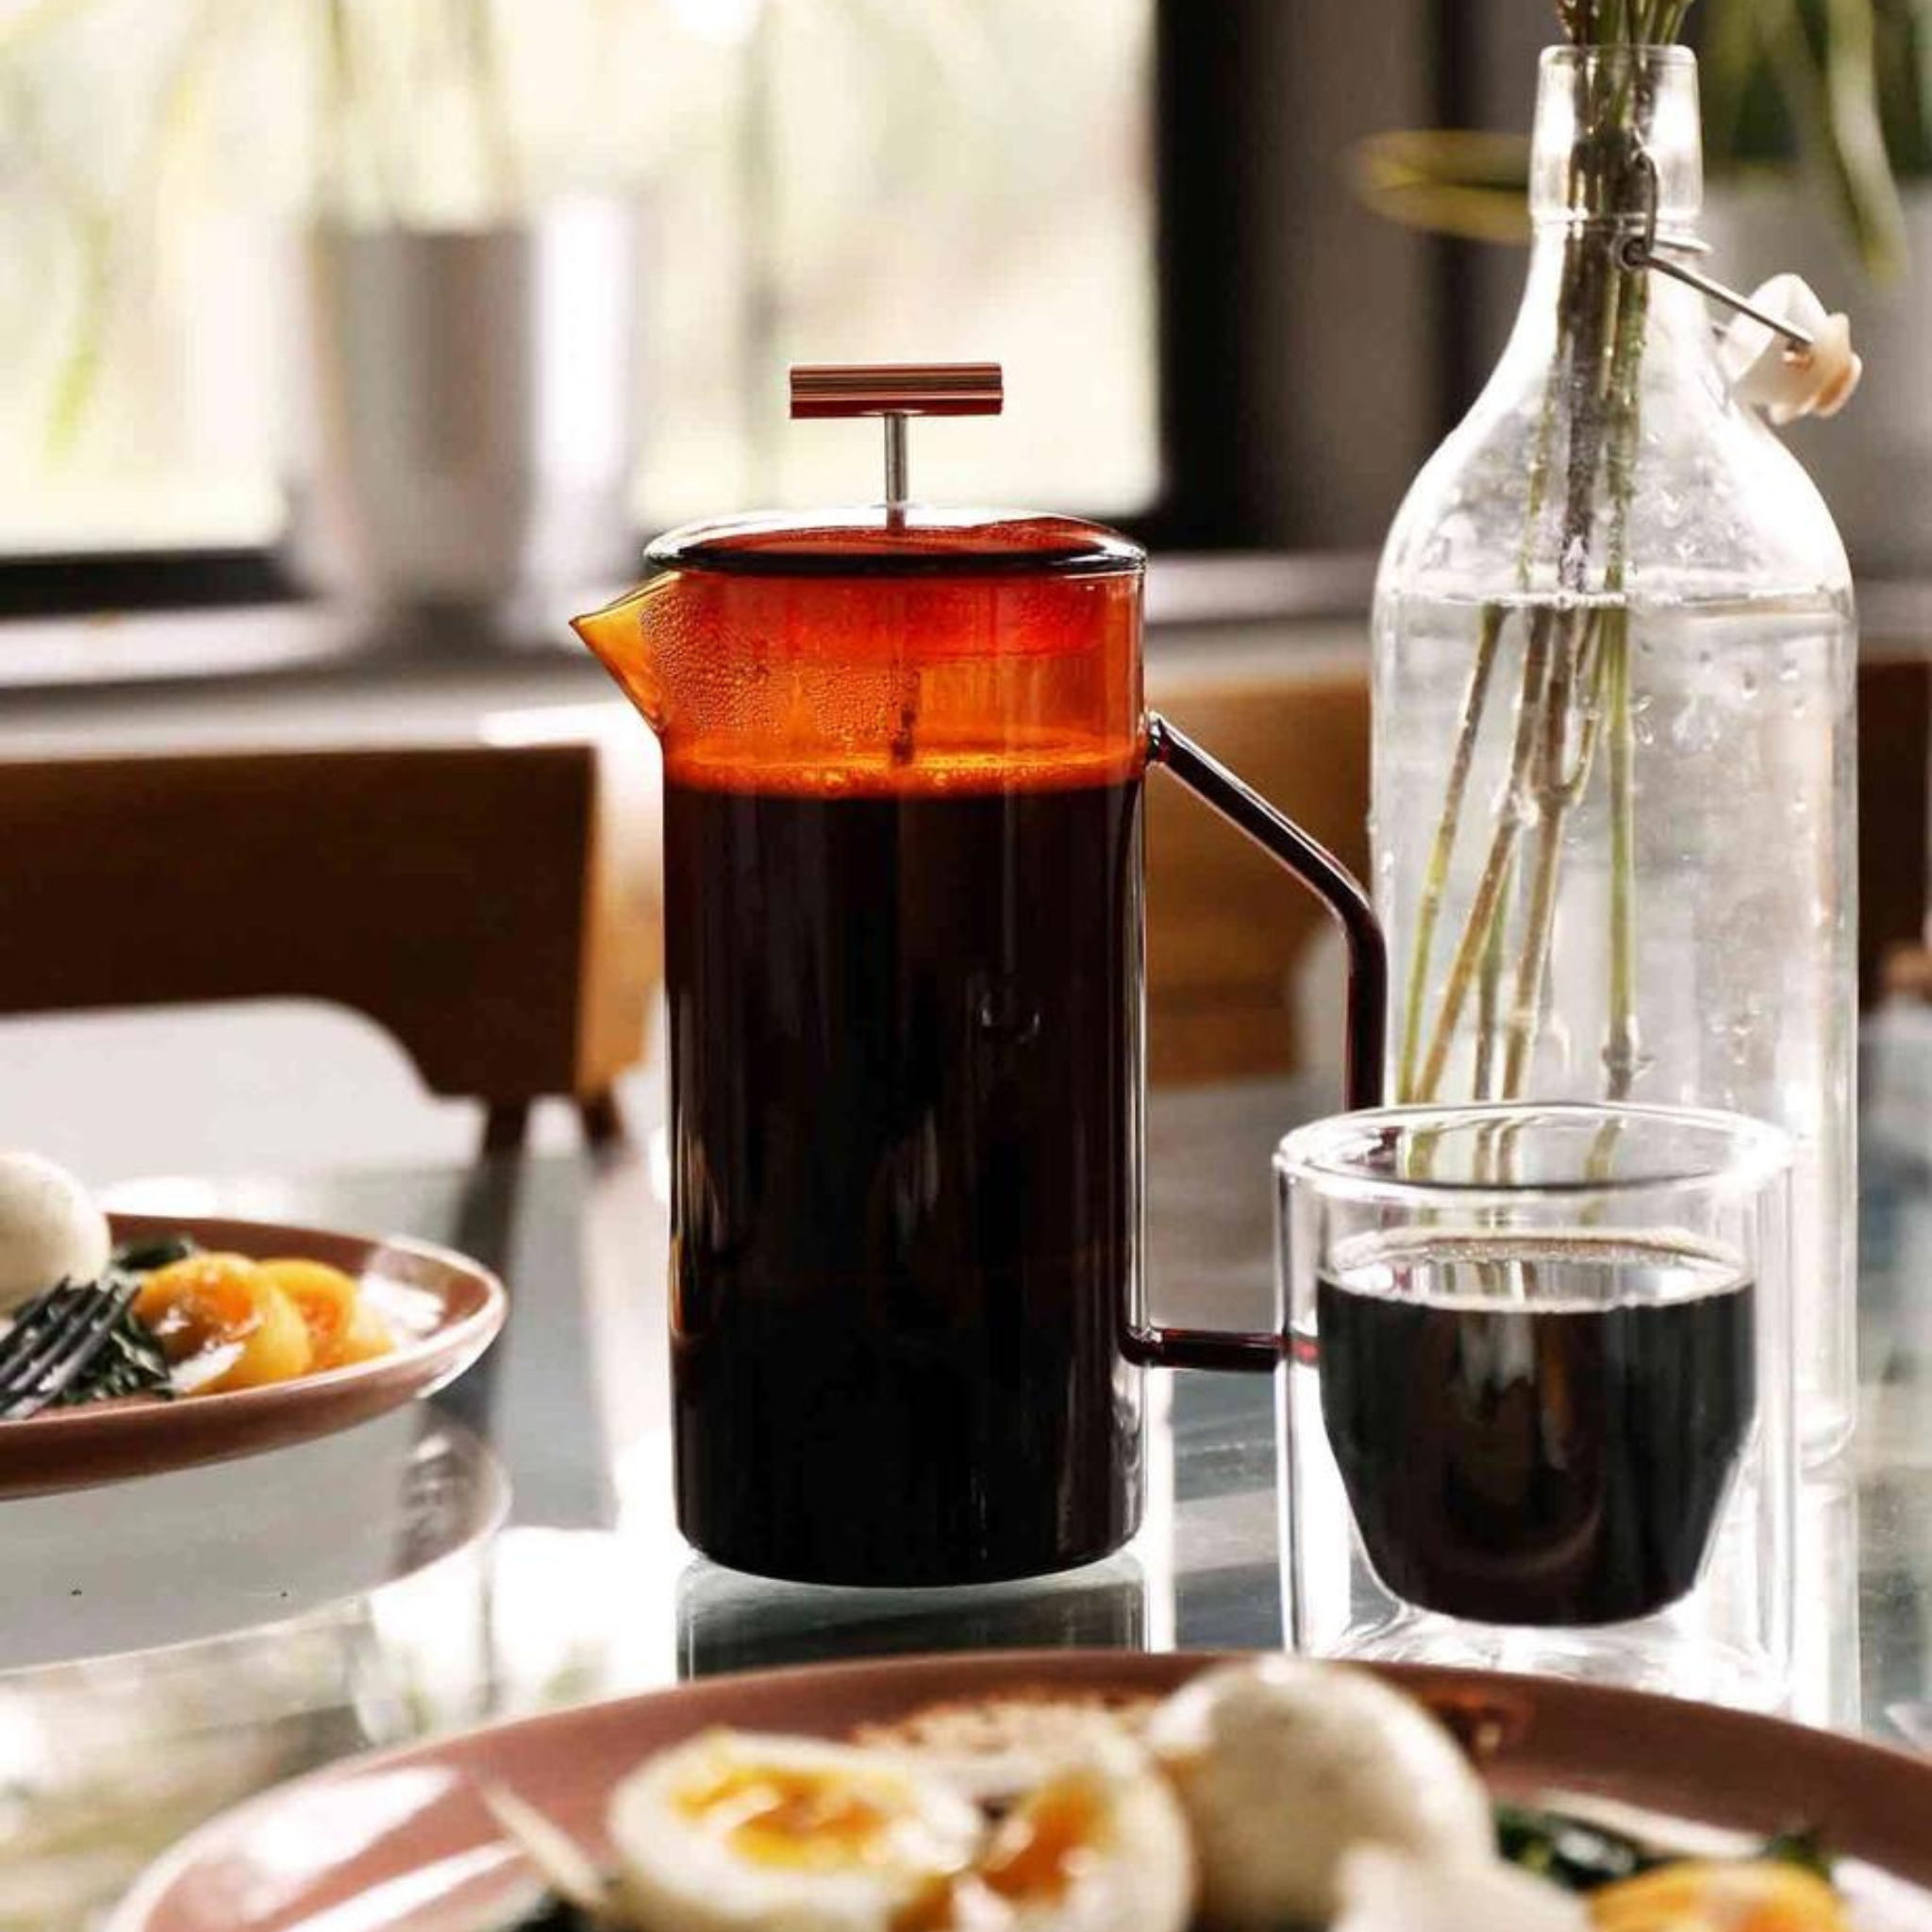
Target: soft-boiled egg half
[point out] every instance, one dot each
(223, 1323)
(737, 1832)
(1099, 1845)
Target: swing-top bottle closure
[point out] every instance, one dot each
(1781, 350)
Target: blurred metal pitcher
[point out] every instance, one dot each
(470, 409)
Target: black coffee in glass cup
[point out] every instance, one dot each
(1538, 1398)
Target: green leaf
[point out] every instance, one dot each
(1826, 55)
(158, 1251)
(1911, 66)
(1803, 1846)
(76, 379)
(1451, 181)
(1569, 1852)
(1745, 115)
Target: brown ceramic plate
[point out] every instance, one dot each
(400, 1843)
(444, 1310)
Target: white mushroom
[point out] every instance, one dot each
(50, 1230)
(1282, 1765)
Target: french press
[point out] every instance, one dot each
(904, 751)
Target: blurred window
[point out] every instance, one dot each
(822, 180)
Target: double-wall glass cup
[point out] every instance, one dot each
(1536, 1406)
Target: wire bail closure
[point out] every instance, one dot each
(1645, 250)
(894, 392)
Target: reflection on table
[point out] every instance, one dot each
(509, 1548)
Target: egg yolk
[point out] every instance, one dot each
(1692, 1896)
(202, 1302)
(803, 1820)
(325, 1298)
(1037, 1853)
(936, 1908)
(1042, 1848)
(222, 1325)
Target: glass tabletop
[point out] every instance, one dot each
(169, 1645)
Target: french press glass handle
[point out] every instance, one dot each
(1368, 985)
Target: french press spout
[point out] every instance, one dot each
(905, 750)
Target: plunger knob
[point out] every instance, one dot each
(894, 391)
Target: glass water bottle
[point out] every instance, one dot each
(1614, 655)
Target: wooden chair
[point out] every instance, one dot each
(1227, 929)
(493, 906)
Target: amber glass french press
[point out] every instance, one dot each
(903, 753)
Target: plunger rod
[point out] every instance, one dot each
(898, 493)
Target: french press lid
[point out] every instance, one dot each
(897, 537)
